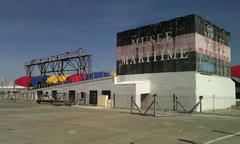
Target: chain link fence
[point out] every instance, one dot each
(21, 96)
(179, 104)
(147, 103)
(213, 105)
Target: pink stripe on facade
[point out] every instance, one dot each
(212, 48)
(186, 42)
(193, 42)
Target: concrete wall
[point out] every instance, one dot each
(122, 92)
(218, 92)
(182, 84)
(85, 86)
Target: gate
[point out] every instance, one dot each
(93, 97)
(72, 96)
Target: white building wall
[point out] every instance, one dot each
(84, 86)
(140, 86)
(218, 92)
(123, 93)
(182, 84)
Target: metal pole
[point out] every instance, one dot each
(2, 91)
(174, 102)
(154, 104)
(213, 103)
(131, 104)
(148, 107)
(200, 99)
(114, 100)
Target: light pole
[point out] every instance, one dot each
(2, 91)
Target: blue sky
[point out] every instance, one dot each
(38, 28)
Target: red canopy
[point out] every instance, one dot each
(76, 77)
(23, 81)
(235, 71)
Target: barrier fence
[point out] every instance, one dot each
(16, 97)
(156, 104)
(160, 105)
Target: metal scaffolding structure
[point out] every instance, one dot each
(78, 61)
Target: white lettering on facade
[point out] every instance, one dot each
(171, 55)
(133, 61)
(125, 60)
(148, 55)
(163, 54)
(183, 54)
(140, 58)
(155, 56)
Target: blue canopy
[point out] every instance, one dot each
(38, 80)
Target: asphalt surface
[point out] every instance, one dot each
(30, 123)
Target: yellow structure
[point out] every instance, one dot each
(113, 74)
(57, 78)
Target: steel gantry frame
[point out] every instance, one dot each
(78, 61)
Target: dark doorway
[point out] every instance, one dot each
(145, 101)
(93, 97)
(39, 94)
(72, 96)
(107, 92)
(54, 94)
(83, 98)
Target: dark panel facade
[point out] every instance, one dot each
(211, 31)
(219, 67)
(177, 26)
(188, 43)
(173, 65)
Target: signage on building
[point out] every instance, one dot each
(174, 45)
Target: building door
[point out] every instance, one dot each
(72, 96)
(83, 98)
(107, 92)
(93, 97)
(145, 101)
(54, 94)
(39, 94)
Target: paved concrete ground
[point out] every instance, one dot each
(30, 123)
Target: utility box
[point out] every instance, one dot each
(103, 101)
